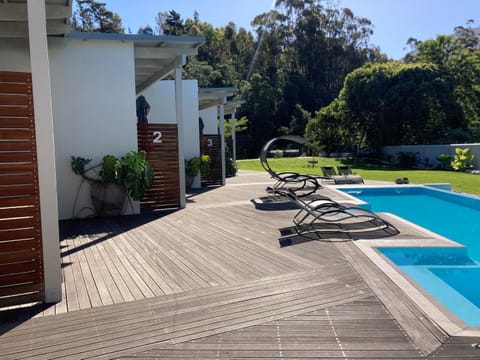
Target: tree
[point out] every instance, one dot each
(93, 16)
(241, 125)
(390, 104)
(326, 128)
(458, 58)
(305, 50)
(170, 23)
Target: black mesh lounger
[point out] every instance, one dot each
(313, 214)
(300, 184)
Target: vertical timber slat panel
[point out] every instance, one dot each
(210, 145)
(21, 255)
(160, 142)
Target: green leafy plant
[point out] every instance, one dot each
(192, 166)
(111, 169)
(137, 173)
(78, 165)
(462, 160)
(205, 164)
(198, 164)
(133, 170)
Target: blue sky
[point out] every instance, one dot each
(394, 20)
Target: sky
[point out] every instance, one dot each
(394, 21)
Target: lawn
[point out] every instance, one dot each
(461, 182)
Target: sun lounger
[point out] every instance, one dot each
(300, 184)
(313, 214)
(344, 175)
(328, 172)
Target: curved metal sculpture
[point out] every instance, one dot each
(301, 184)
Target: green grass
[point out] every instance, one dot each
(461, 182)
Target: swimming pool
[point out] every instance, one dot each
(450, 274)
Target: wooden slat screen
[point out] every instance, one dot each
(21, 258)
(210, 145)
(160, 142)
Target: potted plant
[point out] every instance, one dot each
(194, 166)
(112, 179)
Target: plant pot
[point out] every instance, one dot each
(108, 199)
(188, 182)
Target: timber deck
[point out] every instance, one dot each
(218, 280)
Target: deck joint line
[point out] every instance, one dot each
(279, 340)
(335, 333)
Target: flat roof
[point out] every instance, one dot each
(14, 18)
(209, 97)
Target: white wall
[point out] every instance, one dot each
(210, 120)
(432, 152)
(93, 95)
(14, 55)
(161, 97)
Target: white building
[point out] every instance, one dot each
(84, 87)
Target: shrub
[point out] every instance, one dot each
(277, 153)
(197, 164)
(406, 158)
(462, 160)
(205, 164)
(444, 160)
(230, 167)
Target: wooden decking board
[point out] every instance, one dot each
(93, 295)
(274, 340)
(72, 270)
(248, 272)
(211, 281)
(427, 336)
(119, 289)
(213, 331)
(159, 266)
(140, 265)
(218, 273)
(193, 301)
(148, 333)
(123, 266)
(192, 298)
(105, 281)
(458, 347)
(135, 315)
(117, 276)
(250, 253)
(123, 255)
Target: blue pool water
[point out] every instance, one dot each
(451, 275)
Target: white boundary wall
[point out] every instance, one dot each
(432, 152)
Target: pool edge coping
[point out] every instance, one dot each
(437, 313)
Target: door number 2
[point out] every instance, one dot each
(157, 137)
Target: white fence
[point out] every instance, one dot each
(427, 155)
